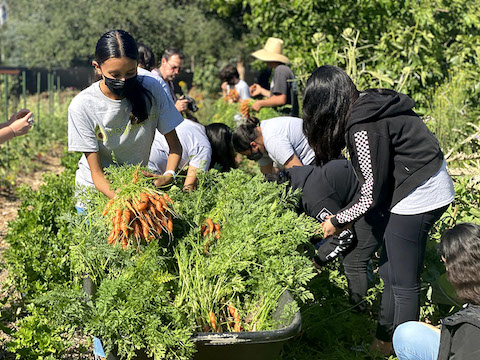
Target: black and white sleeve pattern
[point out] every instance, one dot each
(366, 191)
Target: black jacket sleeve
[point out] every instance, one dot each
(465, 343)
(370, 156)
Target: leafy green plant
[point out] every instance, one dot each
(155, 298)
(36, 338)
(37, 256)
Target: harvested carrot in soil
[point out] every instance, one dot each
(231, 310)
(211, 316)
(117, 222)
(127, 215)
(163, 204)
(217, 230)
(210, 225)
(111, 237)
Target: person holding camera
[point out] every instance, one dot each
(171, 64)
(19, 124)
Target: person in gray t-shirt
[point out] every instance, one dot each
(280, 140)
(120, 114)
(283, 87)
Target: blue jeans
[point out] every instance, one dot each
(414, 340)
(80, 210)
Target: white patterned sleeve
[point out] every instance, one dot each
(365, 201)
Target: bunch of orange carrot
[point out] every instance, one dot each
(140, 218)
(209, 229)
(245, 108)
(232, 320)
(232, 96)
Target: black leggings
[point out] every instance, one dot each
(401, 265)
(355, 260)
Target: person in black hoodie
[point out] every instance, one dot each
(459, 335)
(400, 168)
(325, 190)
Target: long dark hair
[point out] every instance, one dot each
(460, 246)
(329, 96)
(146, 58)
(245, 134)
(220, 137)
(118, 44)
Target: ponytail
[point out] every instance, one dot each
(118, 44)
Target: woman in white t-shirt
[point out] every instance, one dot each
(203, 147)
(119, 114)
(280, 140)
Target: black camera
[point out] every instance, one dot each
(192, 106)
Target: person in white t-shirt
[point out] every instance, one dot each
(231, 80)
(280, 140)
(119, 114)
(203, 147)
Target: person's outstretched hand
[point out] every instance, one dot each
(21, 122)
(255, 90)
(160, 180)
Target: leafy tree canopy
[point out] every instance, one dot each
(62, 33)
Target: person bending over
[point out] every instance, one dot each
(401, 169)
(278, 139)
(325, 190)
(203, 147)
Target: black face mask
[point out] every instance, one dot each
(255, 156)
(121, 88)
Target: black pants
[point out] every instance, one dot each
(401, 264)
(368, 237)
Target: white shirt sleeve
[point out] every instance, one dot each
(279, 149)
(82, 136)
(201, 158)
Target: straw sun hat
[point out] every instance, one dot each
(272, 51)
